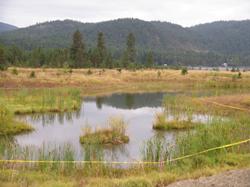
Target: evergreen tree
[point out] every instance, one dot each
(15, 55)
(77, 51)
(95, 58)
(130, 53)
(37, 58)
(109, 61)
(150, 60)
(2, 59)
(101, 48)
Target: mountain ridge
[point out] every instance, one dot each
(4, 27)
(163, 38)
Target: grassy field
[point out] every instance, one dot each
(105, 81)
(221, 95)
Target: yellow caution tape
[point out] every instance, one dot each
(211, 149)
(117, 162)
(227, 106)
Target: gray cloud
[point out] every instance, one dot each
(183, 12)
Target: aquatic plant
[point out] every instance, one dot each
(156, 149)
(178, 113)
(161, 123)
(113, 134)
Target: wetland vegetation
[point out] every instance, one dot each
(114, 134)
(122, 103)
(186, 106)
(8, 124)
(25, 101)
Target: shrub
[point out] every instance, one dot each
(89, 72)
(158, 74)
(3, 67)
(14, 71)
(239, 75)
(184, 71)
(32, 74)
(70, 71)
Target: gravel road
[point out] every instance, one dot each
(233, 178)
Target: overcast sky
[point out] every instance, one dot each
(184, 12)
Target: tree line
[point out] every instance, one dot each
(76, 56)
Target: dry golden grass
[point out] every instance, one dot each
(241, 101)
(104, 81)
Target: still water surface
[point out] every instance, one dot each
(138, 110)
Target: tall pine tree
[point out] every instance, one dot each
(2, 59)
(109, 61)
(77, 51)
(150, 60)
(101, 48)
(130, 53)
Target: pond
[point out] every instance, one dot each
(138, 110)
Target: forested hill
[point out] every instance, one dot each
(155, 35)
(225, 36)
(6, 27)
(206, 44)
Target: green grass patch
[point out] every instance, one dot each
(114, 134)
(14, 128)
(27, 101)
(9, 126)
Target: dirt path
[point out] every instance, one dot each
(234, 178)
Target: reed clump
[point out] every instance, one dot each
(161, 123)
(114, 134)
(155, 149)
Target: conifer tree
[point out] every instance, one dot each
(109, 61)
(77, 51)
(2, 59)
(130, 53)
(150, 60)
(101, 48)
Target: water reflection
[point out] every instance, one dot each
(65, 128)
(130, 101)
(50, 118)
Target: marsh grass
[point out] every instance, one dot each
(8, 125)
(114, 134)
(156, 149)
(161, 123)
(26, 101)
(217, 133)
(178, 113)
